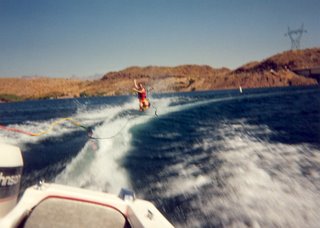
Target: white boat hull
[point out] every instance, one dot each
(52, 205)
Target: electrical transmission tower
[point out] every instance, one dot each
(295, 37)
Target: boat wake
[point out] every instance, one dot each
(210, 159)
(240, 180)
(98, 165)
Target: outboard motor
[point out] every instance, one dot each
(11, 165)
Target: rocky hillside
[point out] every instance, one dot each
(40, 87)
(167, 79)
(276, 70)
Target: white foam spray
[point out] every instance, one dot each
(98, 165)
(259, 184)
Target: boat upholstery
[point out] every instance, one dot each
(57, 212)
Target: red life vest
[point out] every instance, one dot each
(142, 95)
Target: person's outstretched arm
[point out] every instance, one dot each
(135, 84)
(136, 90)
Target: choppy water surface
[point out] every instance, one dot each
(209, 159)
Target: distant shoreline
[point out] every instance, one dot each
(200, 91)
(275, 71)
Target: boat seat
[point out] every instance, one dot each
(58, 213)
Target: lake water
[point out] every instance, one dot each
(207, 159)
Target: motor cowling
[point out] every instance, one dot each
(11, 165)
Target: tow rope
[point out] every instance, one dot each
(72, 121)
(52, 125)
(112, 136)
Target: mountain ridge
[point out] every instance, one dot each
(276, 70)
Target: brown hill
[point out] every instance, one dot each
(40, 87)
(307, 58)
(274, 71)
(167, 79)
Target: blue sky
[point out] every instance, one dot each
(61, 38)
